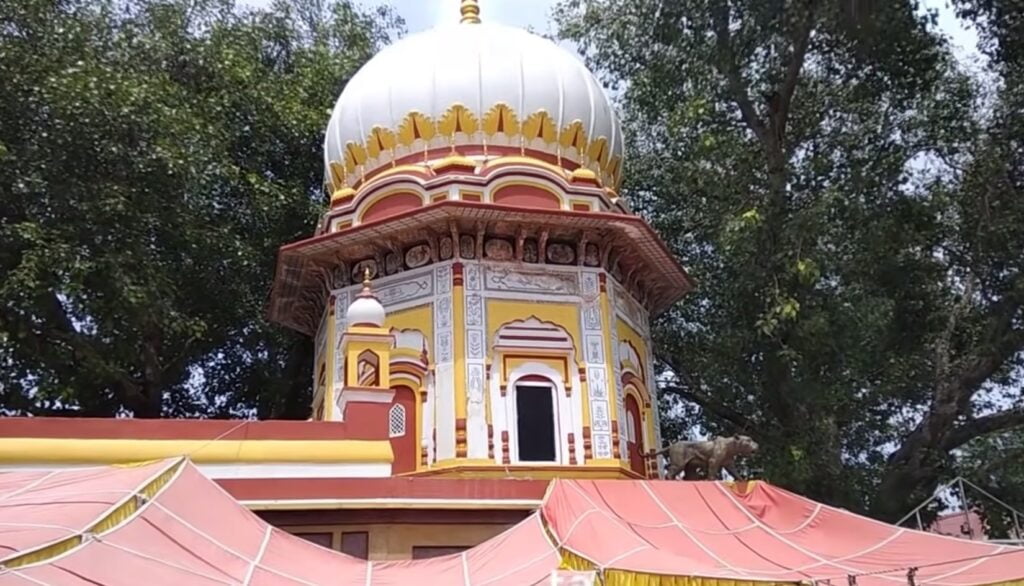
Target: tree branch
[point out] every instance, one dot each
(942, 345)
(796, 63)
(60, 327)
(712, 406)
(983, 426)
(728, 67)
(1001, 343)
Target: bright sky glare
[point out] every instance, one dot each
(536, 14)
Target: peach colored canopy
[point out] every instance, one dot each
(192, 532)
(756, 532)
(167, 524)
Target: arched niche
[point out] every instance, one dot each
(535, 358)
(527, 195)
(390, 204)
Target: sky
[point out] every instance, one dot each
(536, 14)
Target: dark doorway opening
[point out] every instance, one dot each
(535, 425)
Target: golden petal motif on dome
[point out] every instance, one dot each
(338, 173)
(598, 151)
(379, 141)
(416, 126)
(614, 170)
(355, 155)
(573, 136)
(540, 125)
(457, 119)
(501, 119)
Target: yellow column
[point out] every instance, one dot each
(459, 339)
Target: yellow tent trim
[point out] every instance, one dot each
(112, 520)
(572, 561)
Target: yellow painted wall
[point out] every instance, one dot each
(415, 318)
(628, 334)
(565, 315)
(395, 541)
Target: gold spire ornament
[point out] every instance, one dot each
(470, 11)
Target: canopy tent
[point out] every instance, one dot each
(165, 523)
(635, 531)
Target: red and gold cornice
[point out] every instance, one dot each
(500, 125)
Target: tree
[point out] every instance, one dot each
(815, 163)
(153, 156)
(995, 461)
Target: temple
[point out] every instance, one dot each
(483, 394)
(479, 297)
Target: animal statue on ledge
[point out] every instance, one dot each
(709, 456)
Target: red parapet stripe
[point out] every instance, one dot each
(411, 488)
(175, 429)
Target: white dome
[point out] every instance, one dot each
(365, 311)
(472, 84)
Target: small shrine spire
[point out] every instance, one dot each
(366, 309)
(470, 11)
(366, 281)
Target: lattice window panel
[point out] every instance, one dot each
(396, 421)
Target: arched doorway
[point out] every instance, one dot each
(536, 435)
(634, 436)
(402, 430)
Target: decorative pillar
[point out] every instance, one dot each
(459, 336)
(366, 349)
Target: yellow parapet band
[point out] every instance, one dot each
(113, 451)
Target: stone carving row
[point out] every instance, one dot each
(520, 247)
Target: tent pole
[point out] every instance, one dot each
(963, 505)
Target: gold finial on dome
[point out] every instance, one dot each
(366, 280)
(470, 11)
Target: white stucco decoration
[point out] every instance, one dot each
(478, 67)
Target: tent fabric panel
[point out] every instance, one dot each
(97, 563)
(39, 508)
(520, 555)
(191, 531)
(515, 557)
(215, 516)
(764, 534)
(300, 560)
(156, 535)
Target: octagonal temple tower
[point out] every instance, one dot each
(478, 292)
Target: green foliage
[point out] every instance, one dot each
(153, 156)
(831, 178)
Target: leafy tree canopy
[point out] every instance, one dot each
(153, 156)
(848, 199)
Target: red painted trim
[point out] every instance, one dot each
(469, 150)
(392, 205)
(489, 175)
(526, 196)
(467, 516)
(343, 201)
(460, 437)
(405, 487)
(568, 470)
(587, 444)
(636, 221)
(174, 429)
